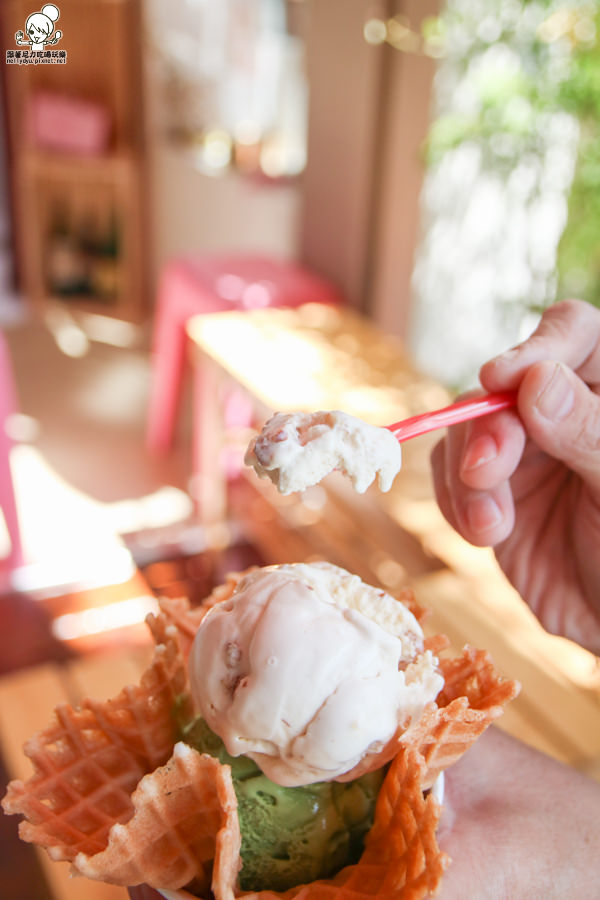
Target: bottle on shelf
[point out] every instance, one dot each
(105, 262)
(66, 268)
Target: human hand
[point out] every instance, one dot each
(518, 824)
(528, 484)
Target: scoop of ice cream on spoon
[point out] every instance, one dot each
(297, 450)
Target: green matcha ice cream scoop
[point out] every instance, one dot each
(291, 836)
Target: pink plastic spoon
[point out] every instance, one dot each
(461, 411)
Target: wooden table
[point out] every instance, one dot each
(322, 358)
(310, 358)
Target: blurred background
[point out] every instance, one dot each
(431, 166)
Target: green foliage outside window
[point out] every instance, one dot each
(508, 67)
(579, 250)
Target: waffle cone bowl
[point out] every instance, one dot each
(116, 793)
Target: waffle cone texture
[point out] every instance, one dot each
(114, 793)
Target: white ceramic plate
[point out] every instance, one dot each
(177, 895)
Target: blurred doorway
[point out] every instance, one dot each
(227, 108)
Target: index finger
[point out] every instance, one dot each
(569, 332)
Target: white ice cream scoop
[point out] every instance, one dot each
(306, 669)
(297, 450)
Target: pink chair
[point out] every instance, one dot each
(8, 407)
(192, 285)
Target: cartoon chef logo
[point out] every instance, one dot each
(39, 28)
(38, 37)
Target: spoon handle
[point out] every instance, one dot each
(460, 411)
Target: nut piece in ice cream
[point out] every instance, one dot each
(298, 450)
(306, 670)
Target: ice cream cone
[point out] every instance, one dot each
(401, 858)
(89, 760)
(474, 695)
(184, 823)
(113, 793)
(177, 612)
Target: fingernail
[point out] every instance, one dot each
(506, 358)
(483, 513)
(479, 452)
(508, 355)
(556, 398)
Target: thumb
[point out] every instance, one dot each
(562, 415)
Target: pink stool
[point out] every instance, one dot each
(193, 285)
(8, 504)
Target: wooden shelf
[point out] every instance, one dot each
(110, 167)
(60, 191)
